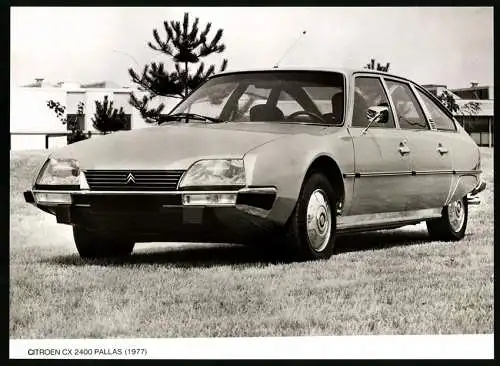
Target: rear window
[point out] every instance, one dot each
(438, 116)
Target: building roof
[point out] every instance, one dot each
(101, 84)
(105, 84)
(433, 86)
(479, 87)
(38, 83)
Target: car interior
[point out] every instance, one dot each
(266, 106)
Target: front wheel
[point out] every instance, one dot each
(92, 245)
(452, 223)
(311, 228)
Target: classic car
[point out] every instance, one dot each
(289, 158)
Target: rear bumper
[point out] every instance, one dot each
(162, 216)
(472, 197)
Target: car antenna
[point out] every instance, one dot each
(289, 48)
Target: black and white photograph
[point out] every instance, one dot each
(260, 173)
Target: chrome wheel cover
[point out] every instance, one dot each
(456, 215)
(319, 220)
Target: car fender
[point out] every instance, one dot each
(466, 165)
(283, 163)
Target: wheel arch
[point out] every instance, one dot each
(326, 165)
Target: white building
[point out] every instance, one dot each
(31, 120)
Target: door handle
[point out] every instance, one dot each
(442, 150)
(403, 148)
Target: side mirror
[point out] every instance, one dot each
(377, 114)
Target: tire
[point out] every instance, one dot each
(301, 243)
(92, 245)
(452, 224)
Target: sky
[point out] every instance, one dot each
(438, 45)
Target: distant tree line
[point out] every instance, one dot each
(378, 67)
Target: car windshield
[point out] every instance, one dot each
(273, 96)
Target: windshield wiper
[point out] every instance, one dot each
(187, 116)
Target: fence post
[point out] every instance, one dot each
(46, 141)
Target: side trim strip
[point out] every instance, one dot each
(376, 174)
(432, 172)
(467, 171)
(413, 172)
(387, 218)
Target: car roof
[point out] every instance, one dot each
(344, 70)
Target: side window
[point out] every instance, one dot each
(410, 114)
(369, 92)
(442, 121)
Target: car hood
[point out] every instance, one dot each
(175, 146)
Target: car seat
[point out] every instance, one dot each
(266, 112)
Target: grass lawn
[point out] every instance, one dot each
(386, 282)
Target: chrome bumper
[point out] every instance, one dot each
(473, 197)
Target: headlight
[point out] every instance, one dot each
(227, 172)
(60, 172)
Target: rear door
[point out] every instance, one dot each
(382, 165)
(464, 151)
(430, 150)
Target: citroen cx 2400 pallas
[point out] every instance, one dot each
(289, 156)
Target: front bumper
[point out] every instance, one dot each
(162, 216)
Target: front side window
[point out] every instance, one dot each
(369, 92)
(440, 119)
(273, 96)
(410, 114)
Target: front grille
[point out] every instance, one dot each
(133, 180)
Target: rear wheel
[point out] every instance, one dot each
(311, 229)
(92, 245)
(452, 223)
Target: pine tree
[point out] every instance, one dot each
(184, 45)
(108, 119)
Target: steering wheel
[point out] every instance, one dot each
(307, 113)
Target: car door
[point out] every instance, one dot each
(430, 150)
(464, 153)
(382, 165)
